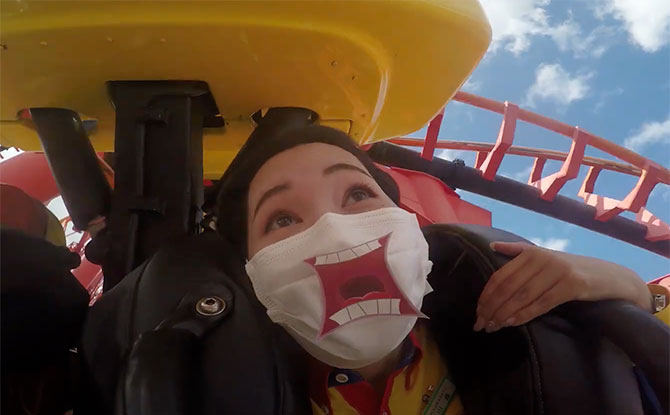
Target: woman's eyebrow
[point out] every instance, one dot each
(269, 193)
(343, 166)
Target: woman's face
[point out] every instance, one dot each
(296, 187)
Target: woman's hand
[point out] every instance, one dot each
(539, 279)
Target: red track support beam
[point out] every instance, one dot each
(552, 184)
(490, 166)
(485, 148)
(431, 136)
(657, 230)
(589, 183)
(638, 197)
(607, 208)
(563, 129)
(536, 172)
(480, 159)
(525, 196)
(489, 158)
(660, 281)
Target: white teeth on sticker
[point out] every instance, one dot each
(332, 259)
(374, 245)
(382, 306)
(355, 311)
(348, 254)
(361, 250)
(369, 307)
(341, 317)
(395, 306)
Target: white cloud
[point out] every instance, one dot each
(553, 83)
(557, 244)
(471, 86)
(605, 97)
(459, 111)
(664, 192)
(647, 21)
(649, 133)
(515, 22)
(450, 155)
(569, 37)
(521, 176)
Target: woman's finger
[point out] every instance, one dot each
(555, 296)
(506, 287)
(543, 281)
(510, 248)
(499, 277)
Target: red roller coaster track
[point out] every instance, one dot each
(490, 156)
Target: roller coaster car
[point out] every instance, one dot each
(178, 329)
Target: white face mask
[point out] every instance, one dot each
(348, 289)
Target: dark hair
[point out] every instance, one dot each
(232, 199)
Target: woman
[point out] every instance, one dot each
(343, 270)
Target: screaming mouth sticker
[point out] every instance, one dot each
(357, 283)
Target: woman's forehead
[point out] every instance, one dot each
(296, 162)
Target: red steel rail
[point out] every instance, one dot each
(490, 156)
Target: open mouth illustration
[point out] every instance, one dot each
(357, 283)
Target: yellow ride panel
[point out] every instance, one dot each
(375, 69)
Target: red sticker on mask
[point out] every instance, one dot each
(357, 283)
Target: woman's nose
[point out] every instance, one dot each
(320, 201)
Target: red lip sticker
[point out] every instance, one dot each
(357, 283)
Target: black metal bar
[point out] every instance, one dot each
(519, 194)
(73, 163)
(158, 191)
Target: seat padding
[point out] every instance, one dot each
(567, 361)
(570, 360)
(245, 364)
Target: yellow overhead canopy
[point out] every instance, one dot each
(375, 69)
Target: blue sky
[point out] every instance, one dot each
(601, 64)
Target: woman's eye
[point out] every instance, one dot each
(280, 221)
(358, 194)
